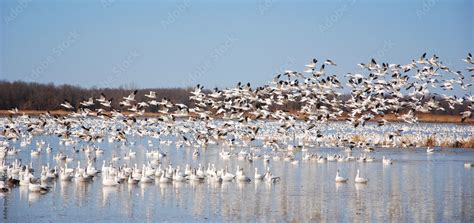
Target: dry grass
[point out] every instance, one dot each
(357, 138)
(466, 143)
(469, 143)
(422, 117)
(425, 117)
(446, 144)
(430, 141)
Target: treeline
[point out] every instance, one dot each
(37, 96)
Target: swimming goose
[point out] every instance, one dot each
(340, 179)
(163, 178)
(258, 176)
(196, 153)
(37, 187)
(131, 180)
(108, 179)
(240, 176)
(200, 171)
(429, 150)
(359, 179)
(144, 178)
(270, 178)
(3, 188)
(226, 176)
(36, 152)
(178, 176)
(195, 177)
(49, 149)
(66, 174)
(386, 161)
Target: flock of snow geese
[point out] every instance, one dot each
(261, 121)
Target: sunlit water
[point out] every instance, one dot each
(416, 188)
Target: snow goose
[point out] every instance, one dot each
(359, 179)
(386, 161)
(340, 179)
(257, 175)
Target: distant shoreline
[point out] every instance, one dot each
(422, 117)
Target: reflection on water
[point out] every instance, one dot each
(416, 188)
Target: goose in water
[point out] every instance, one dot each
(215, 177)
(109, 179)
(340, 179)
(145, 178)
(258, 176)
(3, 188)
(36, 152)
(66, 174)
(37, 187)
(11, 182)
(91, 170)
(359, 179)
(429, 150)
(226, 176)
(131, 180)
(195, 176)
(49, 149)
(196, 153)
(179, 176)
(163, 178)
(386, 161)
(270, 178)
(240, 176)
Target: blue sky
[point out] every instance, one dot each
(108, 43)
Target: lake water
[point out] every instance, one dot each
(417, 187)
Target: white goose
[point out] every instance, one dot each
(195, 177)
(131, 180)
(91, 170)
(360, 180)
(36, 152)
(240, 175)
(179, 176)
(429, 150)
(340, 179)
(66, 174)
(386, 161)
(258, 176)
(37, 187)
(145, 178)
(163, 178)
(109, 179)
(34, 187)
(226, 177)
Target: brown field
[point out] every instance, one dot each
(422, 117)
